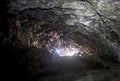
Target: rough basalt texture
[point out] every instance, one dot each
(89, 17)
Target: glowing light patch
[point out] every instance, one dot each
(66, 51)
(57, 51)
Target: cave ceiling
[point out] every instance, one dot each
(55, 23)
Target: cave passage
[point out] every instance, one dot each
(61, 40)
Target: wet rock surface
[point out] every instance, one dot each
(31, 30)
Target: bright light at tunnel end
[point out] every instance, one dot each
(66, 51)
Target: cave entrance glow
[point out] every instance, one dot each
(66, 51)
